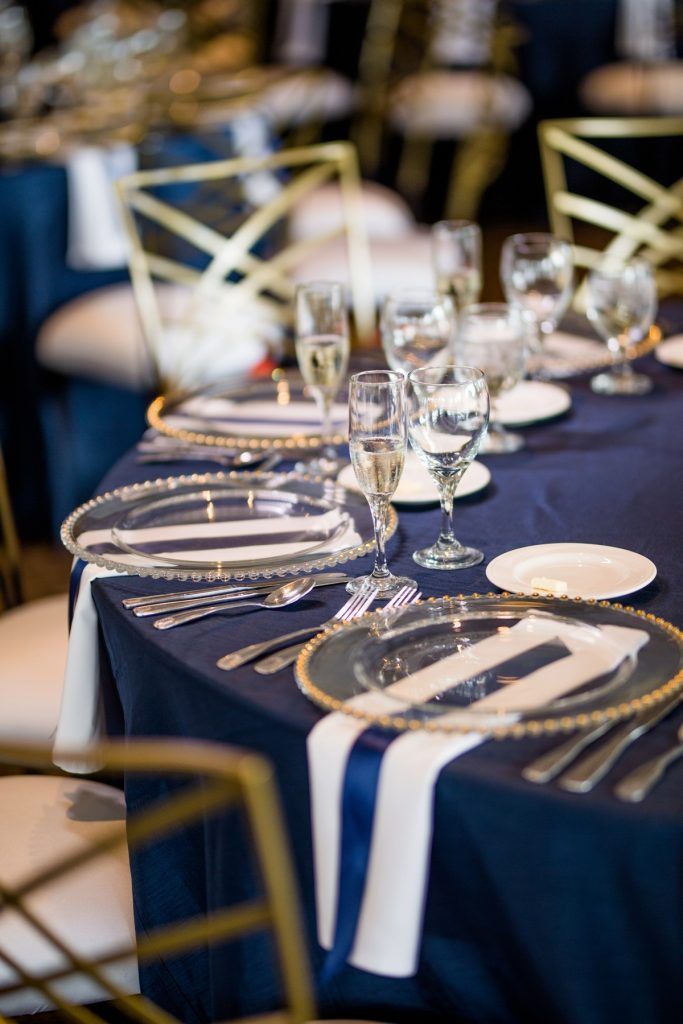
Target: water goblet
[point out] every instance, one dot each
(448, 412)
(377, 442)
(537, 273)
(492, 336)
(456, 258)
(322, 352)
(622, 303)
(417, 326)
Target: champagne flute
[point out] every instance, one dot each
(537, 272)
(448, 413)
(416, 326)
(377, 442)
(322, 352)
(622, 303)
(456, 258)
(492, 337)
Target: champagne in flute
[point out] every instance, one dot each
(378, 464)
(322, 351)
(377, 442)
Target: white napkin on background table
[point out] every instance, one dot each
(97, 239)
(388, 929)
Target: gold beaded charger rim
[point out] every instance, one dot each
(165, 404)
(550, 725)
(130, 493)
(552, 366)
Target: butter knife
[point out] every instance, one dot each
(587, 772)
(635, 786)
(227, 588)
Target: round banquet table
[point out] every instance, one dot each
(542, 905)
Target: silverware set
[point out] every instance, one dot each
(582, 775)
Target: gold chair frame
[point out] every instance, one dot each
(266, 280)
(224, 778)
(644, 233)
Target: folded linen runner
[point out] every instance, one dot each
(271, 419)
(372, 790)
(97, 240)
(80, 719)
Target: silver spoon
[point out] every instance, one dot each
(284, 595)
(635, 786)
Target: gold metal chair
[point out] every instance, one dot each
(212, 779)
(235, 278)
(653, 230)
(440, 71)
(33, 642)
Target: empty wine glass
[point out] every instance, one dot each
(492, 336)
(322, 352)
(377, 442)
(448, 413)
(456, 258)
(537, 272)
(417, 327)
(622, 303)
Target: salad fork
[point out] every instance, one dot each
(274, 662)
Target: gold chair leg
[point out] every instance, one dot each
(478, 161)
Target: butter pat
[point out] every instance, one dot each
(558, 587)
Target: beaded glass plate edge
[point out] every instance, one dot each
(130, 492)
(549, 725)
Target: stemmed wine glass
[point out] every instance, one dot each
(537, 272)
(322, 352)
(456, 258)
(416, 326)
(622, 303)
(448, 413)
(492, 336)
(377, 442)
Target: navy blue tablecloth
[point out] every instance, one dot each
(542, 906)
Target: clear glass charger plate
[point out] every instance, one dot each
(276, 413)
(569, 665)
(119, 530)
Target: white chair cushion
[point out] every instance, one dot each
(404, 263)
(90, 909)
(98, 336)
(385, 213)
(626, 88)
(450, 104)
(310, 95)
(33, 642)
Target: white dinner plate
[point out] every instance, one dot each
(416, 486)
(670, 352)
(531, 401)
(588, 570)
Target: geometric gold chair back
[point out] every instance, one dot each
(651, 226)
(10, 553)
(250, 263)
(401, 40)
(215, 779)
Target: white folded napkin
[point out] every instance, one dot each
(388, 928)
(97, 239)
(80, 720)
(265, 417)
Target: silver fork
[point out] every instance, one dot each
(275, 662)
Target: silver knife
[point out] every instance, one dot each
(227, 588)
(637, 784)
(594, 766)
(550, 764)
